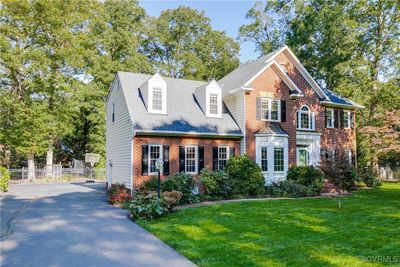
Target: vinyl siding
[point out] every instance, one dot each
(235, 105)
(118, 138)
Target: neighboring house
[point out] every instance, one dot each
(270, 109)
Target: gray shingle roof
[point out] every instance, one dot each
(272, 128)
(337, 99)
(184, 115)
(244, 72)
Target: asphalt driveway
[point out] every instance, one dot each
(67, 224)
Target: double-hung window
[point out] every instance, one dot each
(214, 104)
(270, 109)
(346, 119)
(279, 164)
(305, 119)
(157, 99)
(223, 156)
(191, 159)
(155, 152)
(330, 119)
(264, 159)
(347, 155)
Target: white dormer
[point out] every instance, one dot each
(209, 97)
(154, 93)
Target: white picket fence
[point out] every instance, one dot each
(58, 172)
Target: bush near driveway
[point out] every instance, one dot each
(245, 176)
(4, 179)
(118, 194)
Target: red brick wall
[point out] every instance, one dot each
(269, 81)
(174, 143)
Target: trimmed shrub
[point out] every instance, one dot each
(147, 206)
(172, 198)
(245, 176)
(216, 184)
(118, 194)
(182, 182)
(149, 185)
(4, 179)
(306, 175)
(291, 189)
(369, 179)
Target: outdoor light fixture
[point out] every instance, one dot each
(159, 164)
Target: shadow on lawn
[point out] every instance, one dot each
(308, 232)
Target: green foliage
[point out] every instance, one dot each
(291, 189)
(306, 175)
(149, 184)
(205, 234)
(216, 184)
(245, 175)
(183, 183)
(147, 206)
(4, 179)
(368, 178)
(171, 198)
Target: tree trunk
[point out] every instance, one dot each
(49, 163)
(31, 167)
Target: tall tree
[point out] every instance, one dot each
(351, 47)
(181, 43)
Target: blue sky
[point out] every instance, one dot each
(227, 16)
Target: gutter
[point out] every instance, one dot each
(177, 133)
(330, 104)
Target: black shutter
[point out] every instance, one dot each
(181, 159)
(283, 110)
(145, 159)
(200, 158)
(336, 118)
(326, 118)
(352, 121)
(258, 112)
(215, 158)
(232, 151)
(353, 157)
(341, 118)
(166, 160)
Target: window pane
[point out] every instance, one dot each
(190, 159)
(346, 119)
(274, 110)
(213, 104)
(264, 159)
(329, 117)
(157, 99)
(305, 120)
(222, 157)
(155, 153)
(278, 159)
(264, 109)
(303, 157)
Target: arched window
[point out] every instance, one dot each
(305, 119)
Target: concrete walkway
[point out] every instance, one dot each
(67, 224)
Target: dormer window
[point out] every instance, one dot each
(305, 119)
(157, 99)
(214, 103)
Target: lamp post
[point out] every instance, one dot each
(159, 165)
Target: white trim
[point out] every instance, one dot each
(149, 159)
(227, 154)
(213, 88)
(298, 65)
(348, 126)
(269, 103)
(186, 133)
(307, 155)
(331, 104)
(269, 134)
(311, 118)
(332, 119)
(196, 156)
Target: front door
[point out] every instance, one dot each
(303, 156)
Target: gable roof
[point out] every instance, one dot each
(241, 77)
(184, 115)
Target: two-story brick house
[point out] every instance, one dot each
(270, 109)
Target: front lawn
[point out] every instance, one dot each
(298, 232)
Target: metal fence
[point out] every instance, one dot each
(58, 172)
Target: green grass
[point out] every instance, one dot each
(298, 232)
